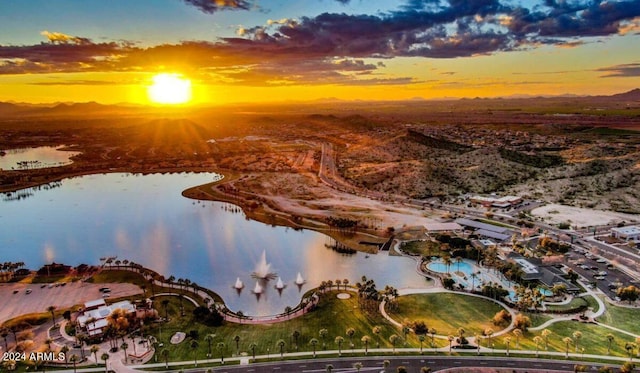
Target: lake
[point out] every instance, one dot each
(32, 158)
(145, 219)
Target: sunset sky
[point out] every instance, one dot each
(271, 50)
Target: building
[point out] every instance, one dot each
(94, 318)
(630, 233)
(494, 201)
(494, 232)
(443, 227)
(534, 271)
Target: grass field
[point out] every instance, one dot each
(332, 314)
(447, 312)
(623, 318)
(593, 339)
(572, 306)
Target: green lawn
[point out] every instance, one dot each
(623, 318)
(420, 248)
(572, 306)
(537, 318)
(593, 340)
(332, 314)
(447, 312)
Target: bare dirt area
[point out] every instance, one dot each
(581, 217)
(39, 298)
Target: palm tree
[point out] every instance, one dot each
(104, 357)
(165, 356)
(474, 276)
(221, 346)
(357, 366)
(313, 342)
(576, 336)
(517, 333)
(94, 350)
(329, 368)
(425, 370)
(281, 345)
(537, 340)
(74, 359)
(345, 282)
(638, 345)
(450, 338)
(52, 309)
(366, 339)
(629, 347)
(447, 262)
(458, 261)
(545, 334)
(421, 339)
(165, 303)
(507, 342)
(376, 330)
(252, 347)
(194, 346)
(350, 334)
(433, 333)
(405, 330)
(124, 346)
(237, 340)
(209, 339)
(393, 339)
(567, 341)
(339, 340)
(65, 350)
(385, 365)
(323, 334)
(338, 283)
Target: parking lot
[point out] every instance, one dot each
(598, 271)
(20, 299)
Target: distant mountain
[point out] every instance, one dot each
(10, 109)
(632, 95)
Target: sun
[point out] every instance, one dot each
(170, 89)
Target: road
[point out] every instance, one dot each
(412, 363)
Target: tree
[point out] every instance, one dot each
(567, 341)
(65, 349)
(545, 334)
(576, 336)
(629, 346)
(517, 333)
(52, 309)
(194, 346)
(537, 340)
(433, 333)
(124, 346)
(237, 340)
(402, 369)
(345, 282)
(385, 364)
(165, 303)
(74, 360)
(209, 339)
(221, 346)
(489, 333)
(629, 293)
(104, 357)
(94, 350)
(425, 370)
(421, 339)
(339, 340)
(610, 339)
(281, 345)
(580, 368)
(450, 338)
(365, 340)
(507, 342)
(252, 347)
(313, 342)
(627, 367)
(329, 368)
(522, 322)
(350, 333)
(357, 366)
(376, 330)
(165, 356)
(323, 334)
(393, 339)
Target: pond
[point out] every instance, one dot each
(32, 158)
(145, 219)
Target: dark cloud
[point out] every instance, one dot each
(337, 48)
(212, 6)
(621, 71)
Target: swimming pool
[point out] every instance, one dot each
(440, 267)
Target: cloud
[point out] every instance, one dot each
(621, 71)
(212, 6)
(60, 38)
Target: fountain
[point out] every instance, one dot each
(238, 285)
(263, 269)
(279, 284)
(258, 288)
(299, 280)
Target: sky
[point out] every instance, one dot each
(272, 50)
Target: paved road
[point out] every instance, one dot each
(412, 363)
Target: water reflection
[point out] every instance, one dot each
(146, 220)
(33, 158)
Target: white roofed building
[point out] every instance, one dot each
(630, 233)
(94, 318)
